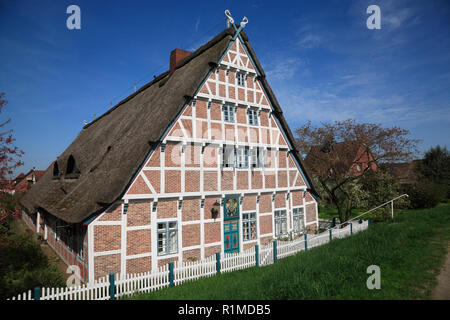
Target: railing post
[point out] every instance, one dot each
(392, 209)
(306, 241)
(257, 255)
(37, 293)
(331, 236)
(274, 251)
(218, 262)
(171, 273)
(111, 286)
(351, 228)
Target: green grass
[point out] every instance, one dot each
(409, 251)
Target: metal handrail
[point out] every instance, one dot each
(381, 205)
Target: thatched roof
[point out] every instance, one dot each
(112, 148)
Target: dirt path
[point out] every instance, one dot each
(442, 290)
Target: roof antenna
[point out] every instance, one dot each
(229, 18)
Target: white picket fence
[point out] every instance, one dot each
(190, 271)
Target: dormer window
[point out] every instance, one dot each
(56, 172)
(72, 171)
(240, 78)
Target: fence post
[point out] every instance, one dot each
(257, 255)
(37, 293)
(218, 262)
(111, 286)
(331, 236)
(306, 241)
(171, 273)
(368, 223)
(351, 228)
(274, 251)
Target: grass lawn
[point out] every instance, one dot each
(409, 251)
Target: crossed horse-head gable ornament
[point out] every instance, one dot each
(230, 19)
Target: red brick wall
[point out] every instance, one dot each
(191, 235)
(265, 224)
(138, 265)
(265, 203)
(107, 238)
(212, 232)
(138, 241)
(167, 208)
(138, 213)
(190, 210)
(104, 265)
(114, 213)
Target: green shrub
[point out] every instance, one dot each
(23, 266)
(426, 195)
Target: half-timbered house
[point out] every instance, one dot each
(198, 161)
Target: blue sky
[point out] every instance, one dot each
(320, 59)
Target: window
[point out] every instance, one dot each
(280, 223)
(56, 173)
(249, 226)
(358, 167)
(240, 78)
(261, 157)
(228, 156)
(167, 237)
(242, 157)
(299, 222)
(72, 170)
(252, 115)
(228, 113)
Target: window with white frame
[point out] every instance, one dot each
(240, 79)
(280, 218)
(228, 113)
(249, 226)
(256, 158)
(167, 237)
(229, 156)
(252, 115)
(242, 157)
(298, 220)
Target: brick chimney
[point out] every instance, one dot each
(176, 56)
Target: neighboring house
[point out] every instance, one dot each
(198, 161)
(347, 157)
(24, 182)
(405, 172)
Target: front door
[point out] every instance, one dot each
(231, 236)
(231, 224)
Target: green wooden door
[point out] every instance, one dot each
(231, 224)
(231, 237)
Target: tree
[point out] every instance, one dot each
(374, 143)
(435, 167)
(9, 160)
